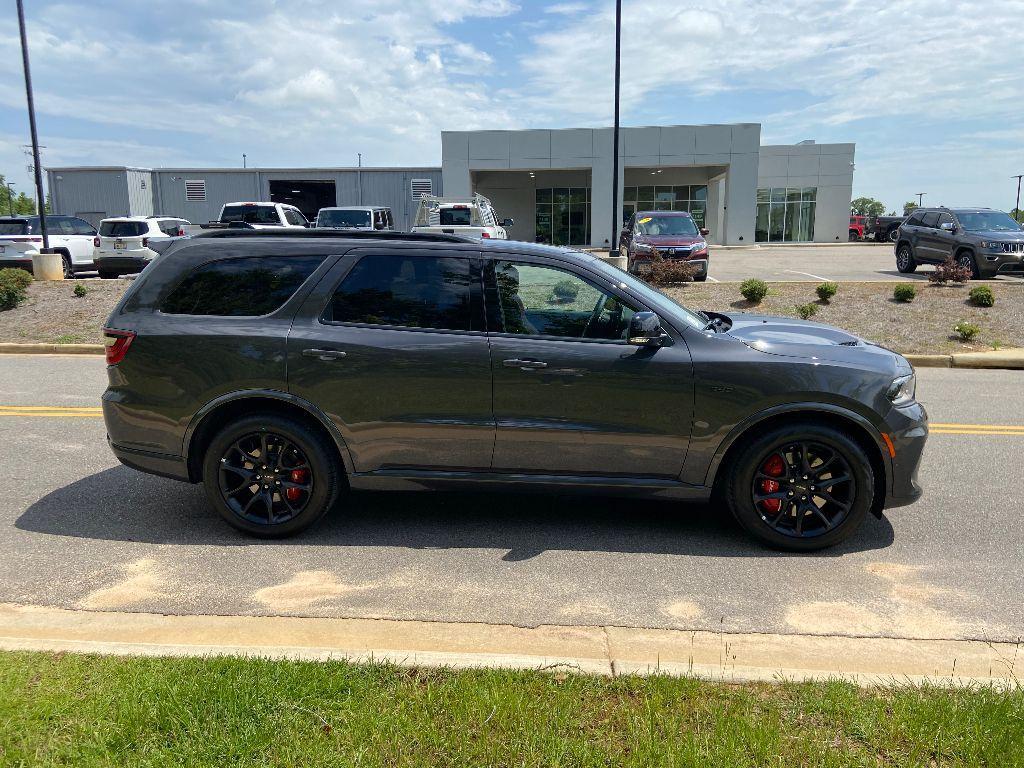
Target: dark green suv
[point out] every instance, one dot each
(280, 369)
(986, 242)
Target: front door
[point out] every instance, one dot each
(571, 396)
(391, 346)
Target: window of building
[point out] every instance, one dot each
(405, 291)
(785, 214)
(246, 287)
(537, 300)
(691, 198)
(563, 215)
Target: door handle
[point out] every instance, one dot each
(324, 354)
(524, 365)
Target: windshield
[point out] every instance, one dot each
(343, 219)
(16, 227)
(455, 216)
(988, 221)
(665, 225)
(250, 214)
(662, 304)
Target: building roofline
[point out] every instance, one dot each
(306, 169)
(603, 128)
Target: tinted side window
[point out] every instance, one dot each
(406, 291)
(170, 227)
(931, 219)
(945, 218)
(83, 227)
(537, 300)
(294, 217)
(246, 287)
(62, 226)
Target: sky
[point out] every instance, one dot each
(932, 94)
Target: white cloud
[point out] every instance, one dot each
(567, 9)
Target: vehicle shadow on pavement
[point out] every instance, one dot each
(120, 504)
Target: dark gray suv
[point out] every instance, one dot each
(280, 370)
(984, 241)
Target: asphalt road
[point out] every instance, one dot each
(78, 530)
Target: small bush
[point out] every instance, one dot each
(13, 283)
(668, 271)
(904, 293)
(80, 290)
(565, 291)
(949, 272)
(807, 311)
(966, 331)
(754, 290)
(826, 291)
(982, 296)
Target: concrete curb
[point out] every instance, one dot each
(930, 361)
(51, 349)
(600, 650)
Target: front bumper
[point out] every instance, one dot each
(907, 429)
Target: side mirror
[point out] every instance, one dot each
(506, 223)
(645, 330)
(704, 232)
(947, 226)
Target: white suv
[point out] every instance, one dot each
(73, 238)
(263, 215)
(123, 243)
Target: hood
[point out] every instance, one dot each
(802, 338)
(1000, 235)
(669, 240)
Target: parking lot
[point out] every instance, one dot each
(78, 530)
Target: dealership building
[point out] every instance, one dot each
(556, 184)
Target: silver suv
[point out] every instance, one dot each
(985, 241)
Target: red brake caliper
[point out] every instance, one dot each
(774, 467)
(297, 476)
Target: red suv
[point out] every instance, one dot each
(673, 234)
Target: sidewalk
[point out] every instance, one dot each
(600, 650)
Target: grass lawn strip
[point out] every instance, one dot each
(77, 710)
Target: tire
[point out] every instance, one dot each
(248, 511)
(108, 275)
(965, 259)
(700, 278)
(905, 261)
(69, 270)
(749, 467)
(853, 236)
(893, 235)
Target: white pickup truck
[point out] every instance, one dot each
(471, 216)
(258, 215)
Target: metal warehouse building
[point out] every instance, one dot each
(556, 184)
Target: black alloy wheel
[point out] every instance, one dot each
(905, 259)
(966, 261)
(265, 479)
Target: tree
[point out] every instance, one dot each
(23, 204)
(1018, 215)
(909, 207)
(867, 206)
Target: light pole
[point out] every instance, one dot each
(1016, 208)
(613, 243)
(10, 198)
(243, 160)
(920, 199)
(38, 171)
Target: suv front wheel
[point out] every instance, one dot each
(801, 487)
(270, 476)
(966, 260)
(905, 261)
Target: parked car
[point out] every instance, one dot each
(258, 216)
(21, 237)
(985, 241)
(858, 227)
(471, 216)
(310, 363)
(886, 228)
(355, 217)
(124, 242)
(675, 236)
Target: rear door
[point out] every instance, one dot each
(926, 247)
(392, 346)
(943, 241)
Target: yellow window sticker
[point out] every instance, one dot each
(644, 220)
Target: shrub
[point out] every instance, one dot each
(668, 271)
(754, 290)
(80, 290)
(826, 291)
(565, 291)
(807, 311)
(904, 292)
(966, 331)
(13, 283)
(982, 296)
(949, 272)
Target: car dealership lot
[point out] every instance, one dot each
(78, 530)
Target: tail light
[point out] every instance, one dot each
(35, 239)
(145, 242)
(96, 242)
(485, 235)
(117, 343)
(181, 232)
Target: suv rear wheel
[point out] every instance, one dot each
(801, 487)
(270, 476)
(905, 261)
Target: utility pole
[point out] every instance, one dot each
(359, 175)
(613, 243)
(1016, 208)
(38, 171)
(920, 199)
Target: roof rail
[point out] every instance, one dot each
(337, 234)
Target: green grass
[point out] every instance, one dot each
(72, 710)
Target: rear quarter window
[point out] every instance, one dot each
(245, 287)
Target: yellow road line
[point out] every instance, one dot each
(1016, 427)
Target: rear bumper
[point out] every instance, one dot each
(161, 464)
(21, 261)
(125, 265)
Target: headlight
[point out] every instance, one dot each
(643, 247)
(992, 245)
(902, 389)
(698, 247)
